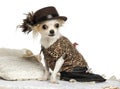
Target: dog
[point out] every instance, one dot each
(60, 55)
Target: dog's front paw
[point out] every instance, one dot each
(53, 79)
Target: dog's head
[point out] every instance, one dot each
(45, 21)
(49, 28)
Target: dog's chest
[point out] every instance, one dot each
(46, 43)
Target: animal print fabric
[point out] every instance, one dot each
(63, 46)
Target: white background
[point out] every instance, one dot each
(93, 24)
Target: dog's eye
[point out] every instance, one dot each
(44, 27)
(57, 25)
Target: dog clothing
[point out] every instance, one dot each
(72, 57)
(74, 65)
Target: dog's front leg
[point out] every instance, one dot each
(47, 74)
(58, 65)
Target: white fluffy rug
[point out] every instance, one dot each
(34, 84)
(14, 66)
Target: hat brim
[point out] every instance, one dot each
(60, 17)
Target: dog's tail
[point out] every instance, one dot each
(81, 76)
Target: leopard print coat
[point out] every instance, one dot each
(63, 46)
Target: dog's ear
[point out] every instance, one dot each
(27, 23)
(61, 22)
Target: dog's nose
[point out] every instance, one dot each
(51, 31)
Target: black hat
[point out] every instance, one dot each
(39, 16)
(47, 13)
